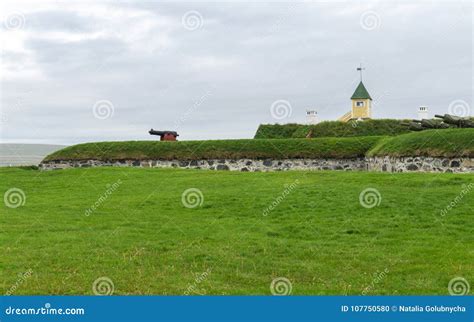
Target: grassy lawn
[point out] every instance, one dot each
(318, 235)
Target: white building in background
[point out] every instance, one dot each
(423, 112)
(311, 117)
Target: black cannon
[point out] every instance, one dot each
(447, 121)
(165, 135)
(456, 120)
(413, 126)
(431, 124)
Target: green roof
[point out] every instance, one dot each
(361, 92)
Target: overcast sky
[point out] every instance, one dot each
(96, 70)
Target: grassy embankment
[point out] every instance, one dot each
(436, 143)
(443, 143)
(218, 149)
(379, 127)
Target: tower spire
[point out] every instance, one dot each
(360, 69)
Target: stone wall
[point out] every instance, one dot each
(382, 164)
(233, 165)
(420, 164)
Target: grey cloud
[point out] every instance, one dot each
(246, 56)
(60, 20)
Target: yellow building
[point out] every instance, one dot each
(361, 105)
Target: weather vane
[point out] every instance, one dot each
(360, 69)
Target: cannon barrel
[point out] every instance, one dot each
(456, 120)
(413, 126)
(153, 132)
(443, 126)
(434, 124)
(450, 119)
(424, 123)
(430, 124)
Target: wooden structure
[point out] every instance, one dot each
(361, 103)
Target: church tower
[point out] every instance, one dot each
(361, 103)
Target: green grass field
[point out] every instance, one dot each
(317, 234)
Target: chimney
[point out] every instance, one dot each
(311, 117)
(422, 112)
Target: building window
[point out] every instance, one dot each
(359, 104)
